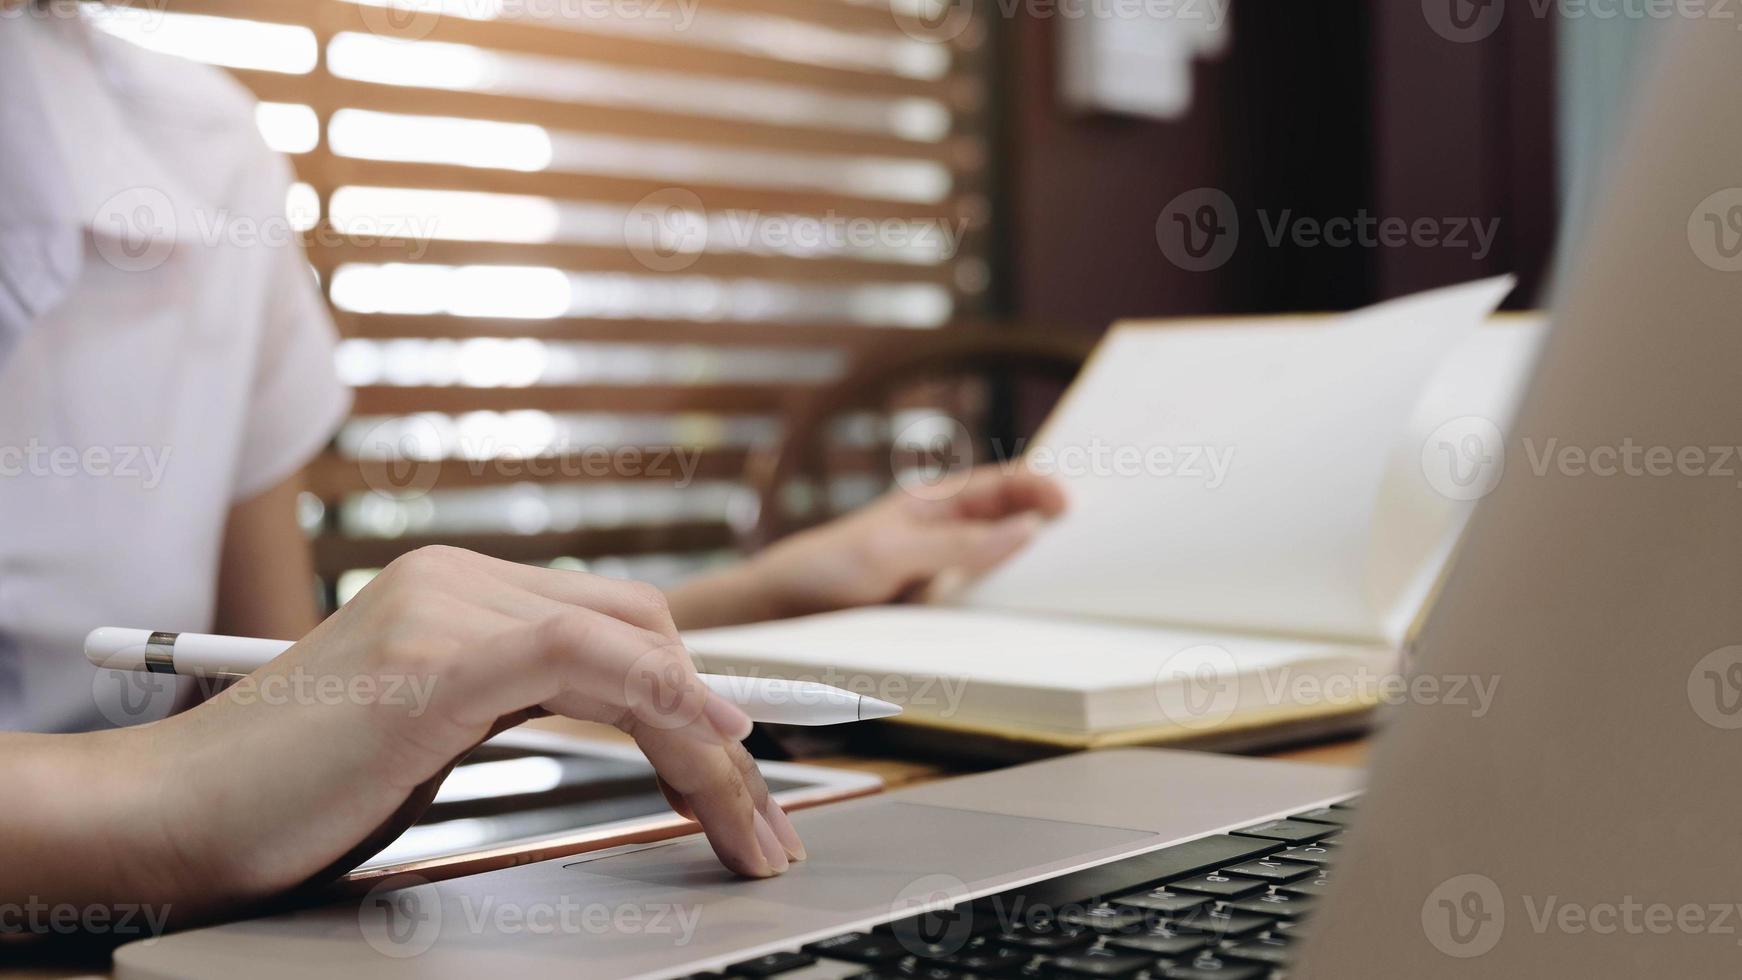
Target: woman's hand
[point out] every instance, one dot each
(896, 548)
(305, 767)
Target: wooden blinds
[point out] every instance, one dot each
(583, 251)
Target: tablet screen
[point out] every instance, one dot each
(504, 794)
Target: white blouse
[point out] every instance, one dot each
(175, 359)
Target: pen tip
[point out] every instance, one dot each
(870, 707)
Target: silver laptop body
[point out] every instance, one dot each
(1589, 824)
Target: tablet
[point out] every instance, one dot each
(530, 795)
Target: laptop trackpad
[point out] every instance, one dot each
(863, 858)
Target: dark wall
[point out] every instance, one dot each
(1318, 111)
(1466, 126)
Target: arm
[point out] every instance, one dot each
(276, 782)
(266, 574)
(899, 547)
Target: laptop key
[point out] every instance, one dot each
(1162, 900)
(1288, 831)
(1212, 967)
(771, 965)
(1308, 887)
(1269, 950)
(1126, 875)
(1271, 870)
(921, 970)
(1326, 814)
(968, 918)
(1164, 943)
(1049, 941)
(1103, 918)
(988, 961)
(1226, 923)
(1276, 903)
(1308, 854)
(858, 947)
(826, 969)
(1221, 886)
(1118, 965)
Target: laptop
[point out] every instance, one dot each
(1584, 824)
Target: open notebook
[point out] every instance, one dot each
(1259, 510)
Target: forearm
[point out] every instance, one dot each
(739, 594)
(88, 848)
(266, 578)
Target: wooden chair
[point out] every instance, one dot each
(985, 379)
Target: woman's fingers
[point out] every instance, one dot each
(674, 799)
(518, 647)
(770, 809)
(722, 789)
(993, 492)
(963, 546)
(588, 665)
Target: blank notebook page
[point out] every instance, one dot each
(1009, 650)
(1306, 420)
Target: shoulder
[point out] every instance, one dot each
(199, 120)
(173, 90)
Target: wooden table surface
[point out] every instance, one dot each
(895, 772)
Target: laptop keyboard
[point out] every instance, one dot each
(1226, 907)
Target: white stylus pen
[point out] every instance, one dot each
(769, 699)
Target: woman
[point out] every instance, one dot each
(136, 326)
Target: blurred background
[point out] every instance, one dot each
(636, 285)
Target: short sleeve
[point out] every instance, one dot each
(297, 401)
